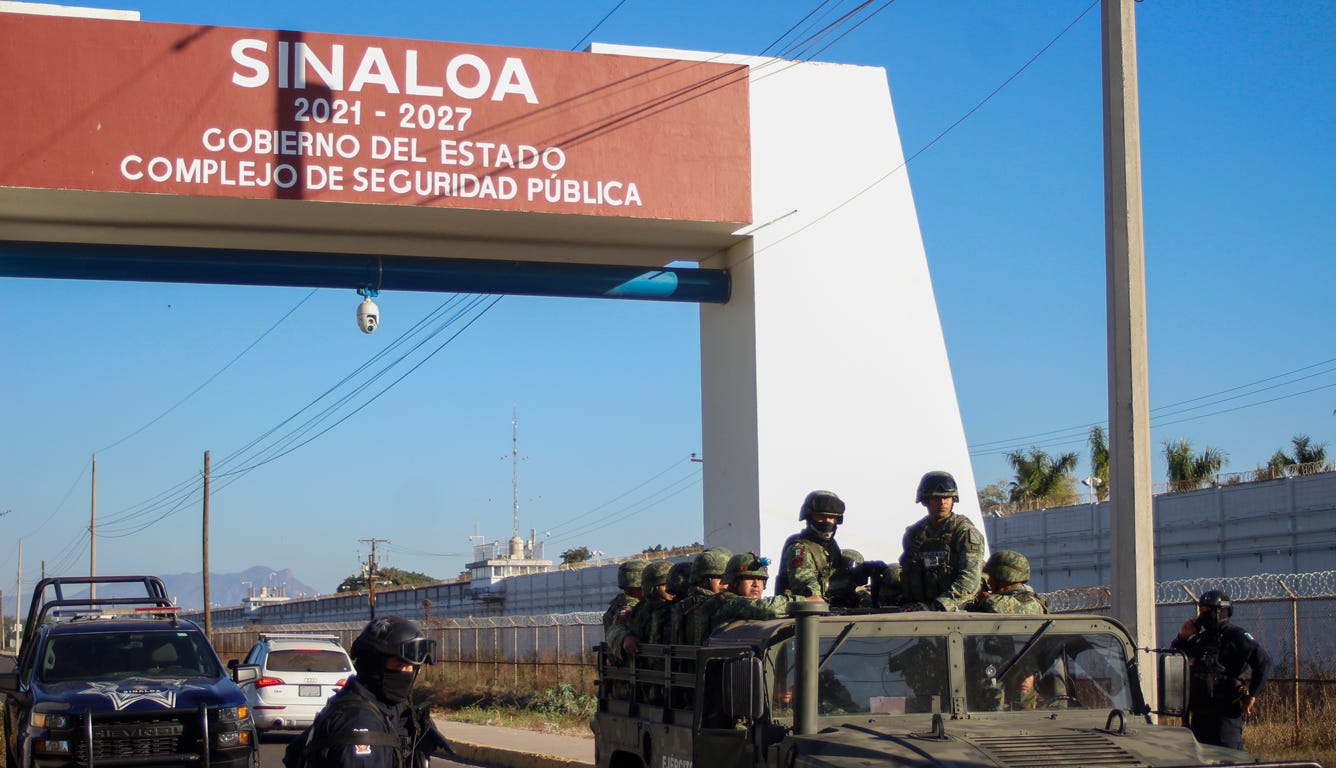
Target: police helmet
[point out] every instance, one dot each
(747, 565)
(710, 564)
(822, 503)
(937, 484)
(1008, 567)
(655, 575)
(629, 573)
(1218, 603)
(391, 637)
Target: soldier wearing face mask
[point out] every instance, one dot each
(371, 722)
(811, 557)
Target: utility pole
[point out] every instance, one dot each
(208, 606)
(92, 534)
(371, 572)
(1131, 524)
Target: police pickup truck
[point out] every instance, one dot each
(896, 689)
(112, 679)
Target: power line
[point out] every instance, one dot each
(588, 34)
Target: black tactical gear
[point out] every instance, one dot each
(1217, 609)
(822, 503)
(389, 638)
(1227, 666)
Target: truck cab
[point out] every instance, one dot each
(120, 680)
(906, 689)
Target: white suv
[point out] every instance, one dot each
(298, 674)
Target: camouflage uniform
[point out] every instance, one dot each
(628, 577)
(691, 614)
(638, 619)
(736, 607)
(942, 563)
(1010, 568)
(810, 558)
(661, 620)
(1019, 599)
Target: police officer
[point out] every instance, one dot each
(1229, 671)
(1007, 572)
(691, 614)
(370, 722)
(628, 579)
(811, 556)
(943, 552)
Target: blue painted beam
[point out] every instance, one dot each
(162, 264)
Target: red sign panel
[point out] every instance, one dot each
(120, 106)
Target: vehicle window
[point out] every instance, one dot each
(308, 660)
(112, 655)
(1056, 672)
(873, 675)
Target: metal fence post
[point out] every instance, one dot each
(1294, 623)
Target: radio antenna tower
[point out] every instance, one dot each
(515, 465)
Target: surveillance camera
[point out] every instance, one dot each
(368, 315)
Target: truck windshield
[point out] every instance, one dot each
(118, 655)
(1060, 671)
(875, 675)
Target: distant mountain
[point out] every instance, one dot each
(228, 589)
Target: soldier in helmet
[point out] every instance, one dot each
(635, 625)
(746, 575)
(370, 722)
(1007, 572)
(691, 615)
(811, 556)
(943, 553)
(1229, 671)
(628, 579)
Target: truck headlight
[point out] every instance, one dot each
(233, 714)
(49, 720)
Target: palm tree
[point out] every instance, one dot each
(1306, 452)
(1188, 470)
(1099, 461)
(1041, 476)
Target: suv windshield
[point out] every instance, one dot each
(876, 675)
(1057, 672)
(111, 655)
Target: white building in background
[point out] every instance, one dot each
(1273, 526)
(494, 562)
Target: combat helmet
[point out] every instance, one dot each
(1214, 608)
(390, 637)
(655, 575)
(710, 564)
(852, 558)
(936, 484)
(1008, 567)
(822, 503)
(629, 573)
(747, 565)
(679, 579)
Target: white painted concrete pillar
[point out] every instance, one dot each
(827, 368)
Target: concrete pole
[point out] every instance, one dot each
(1131, 525)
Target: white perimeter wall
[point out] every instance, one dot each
(827, 368)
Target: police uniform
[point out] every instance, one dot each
(381, 734)
(1227, 665)
(941, 563)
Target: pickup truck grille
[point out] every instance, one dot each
(126, 738)
(1085, 749)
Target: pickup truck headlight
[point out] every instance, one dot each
(233, 714)
(49, 720)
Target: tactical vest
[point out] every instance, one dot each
(697, 618)
(615, 607)
(1212, 685)
(927, 568)
(820, 556)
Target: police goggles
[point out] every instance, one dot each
(419, 650)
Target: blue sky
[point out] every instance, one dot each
(1237, 106)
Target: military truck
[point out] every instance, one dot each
(120, 680)
(896, 689)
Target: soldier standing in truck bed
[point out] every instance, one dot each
(690, 617)
(628, 579)
(943, 552)
(811, 557)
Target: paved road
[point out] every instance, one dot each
(272, 746)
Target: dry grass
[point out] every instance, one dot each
(1271, 732)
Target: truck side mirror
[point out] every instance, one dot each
(245, 673)
(9, 682)
(744, 691)
(1172, 688)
